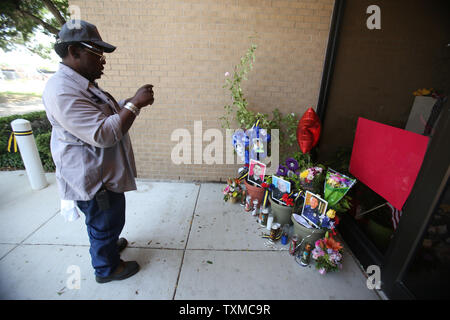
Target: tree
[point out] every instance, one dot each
(20, 19)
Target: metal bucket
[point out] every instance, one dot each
(308, 235)
(282, 214)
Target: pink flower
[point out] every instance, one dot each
(322, 271)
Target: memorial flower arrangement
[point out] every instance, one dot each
(336, 186)
(328, 254)
(233, 191)
(308, 175)
(311, 179)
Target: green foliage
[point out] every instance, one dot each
(304, 160)
(41, 130)
(296, 184)
(319, 182)
(238, 110)
(43, 145)
(244, 117)
(20, 19)
(343, 205)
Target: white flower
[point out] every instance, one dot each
(227, 74)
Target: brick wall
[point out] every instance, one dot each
(184, 49)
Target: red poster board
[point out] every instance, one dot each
(387, 159)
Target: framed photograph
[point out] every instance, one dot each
(258, 145)
(281, 187)
(256, 172)
(314, 209)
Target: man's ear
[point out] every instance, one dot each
(74, 51)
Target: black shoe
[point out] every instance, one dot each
(127, 269)
(122, 244)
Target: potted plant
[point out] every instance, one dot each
(282, 212)
(283, 207)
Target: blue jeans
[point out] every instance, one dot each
(104, 228)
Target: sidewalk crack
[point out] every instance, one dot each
(186, 242)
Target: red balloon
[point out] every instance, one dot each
(305, 141)
(308, 130)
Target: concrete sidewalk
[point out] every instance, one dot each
(189, 243)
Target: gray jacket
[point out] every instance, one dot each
(87, 144)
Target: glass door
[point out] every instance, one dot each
(428, 275)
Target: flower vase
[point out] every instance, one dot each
(255, 192)
(282, 214)
(310, 235)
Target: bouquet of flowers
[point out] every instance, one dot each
(311, 178)
(328, 254)
(233, 191)
(336, 186)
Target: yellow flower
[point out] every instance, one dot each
(423, 92)
(331, 213)
(235, 194)
(304, 174)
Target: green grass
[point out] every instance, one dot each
(24, 94)
(16, 97)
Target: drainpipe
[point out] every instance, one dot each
(29, 153)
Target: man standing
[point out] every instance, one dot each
(90, 144)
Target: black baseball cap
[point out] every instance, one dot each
(82, 31)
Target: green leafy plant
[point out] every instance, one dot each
(304, 160)
(21, 19)
(43, 145)
(239, 104)
(239, 112)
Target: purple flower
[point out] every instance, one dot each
(282, 171)
(322, 271)
(292, 164)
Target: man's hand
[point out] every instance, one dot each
(143, 97)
